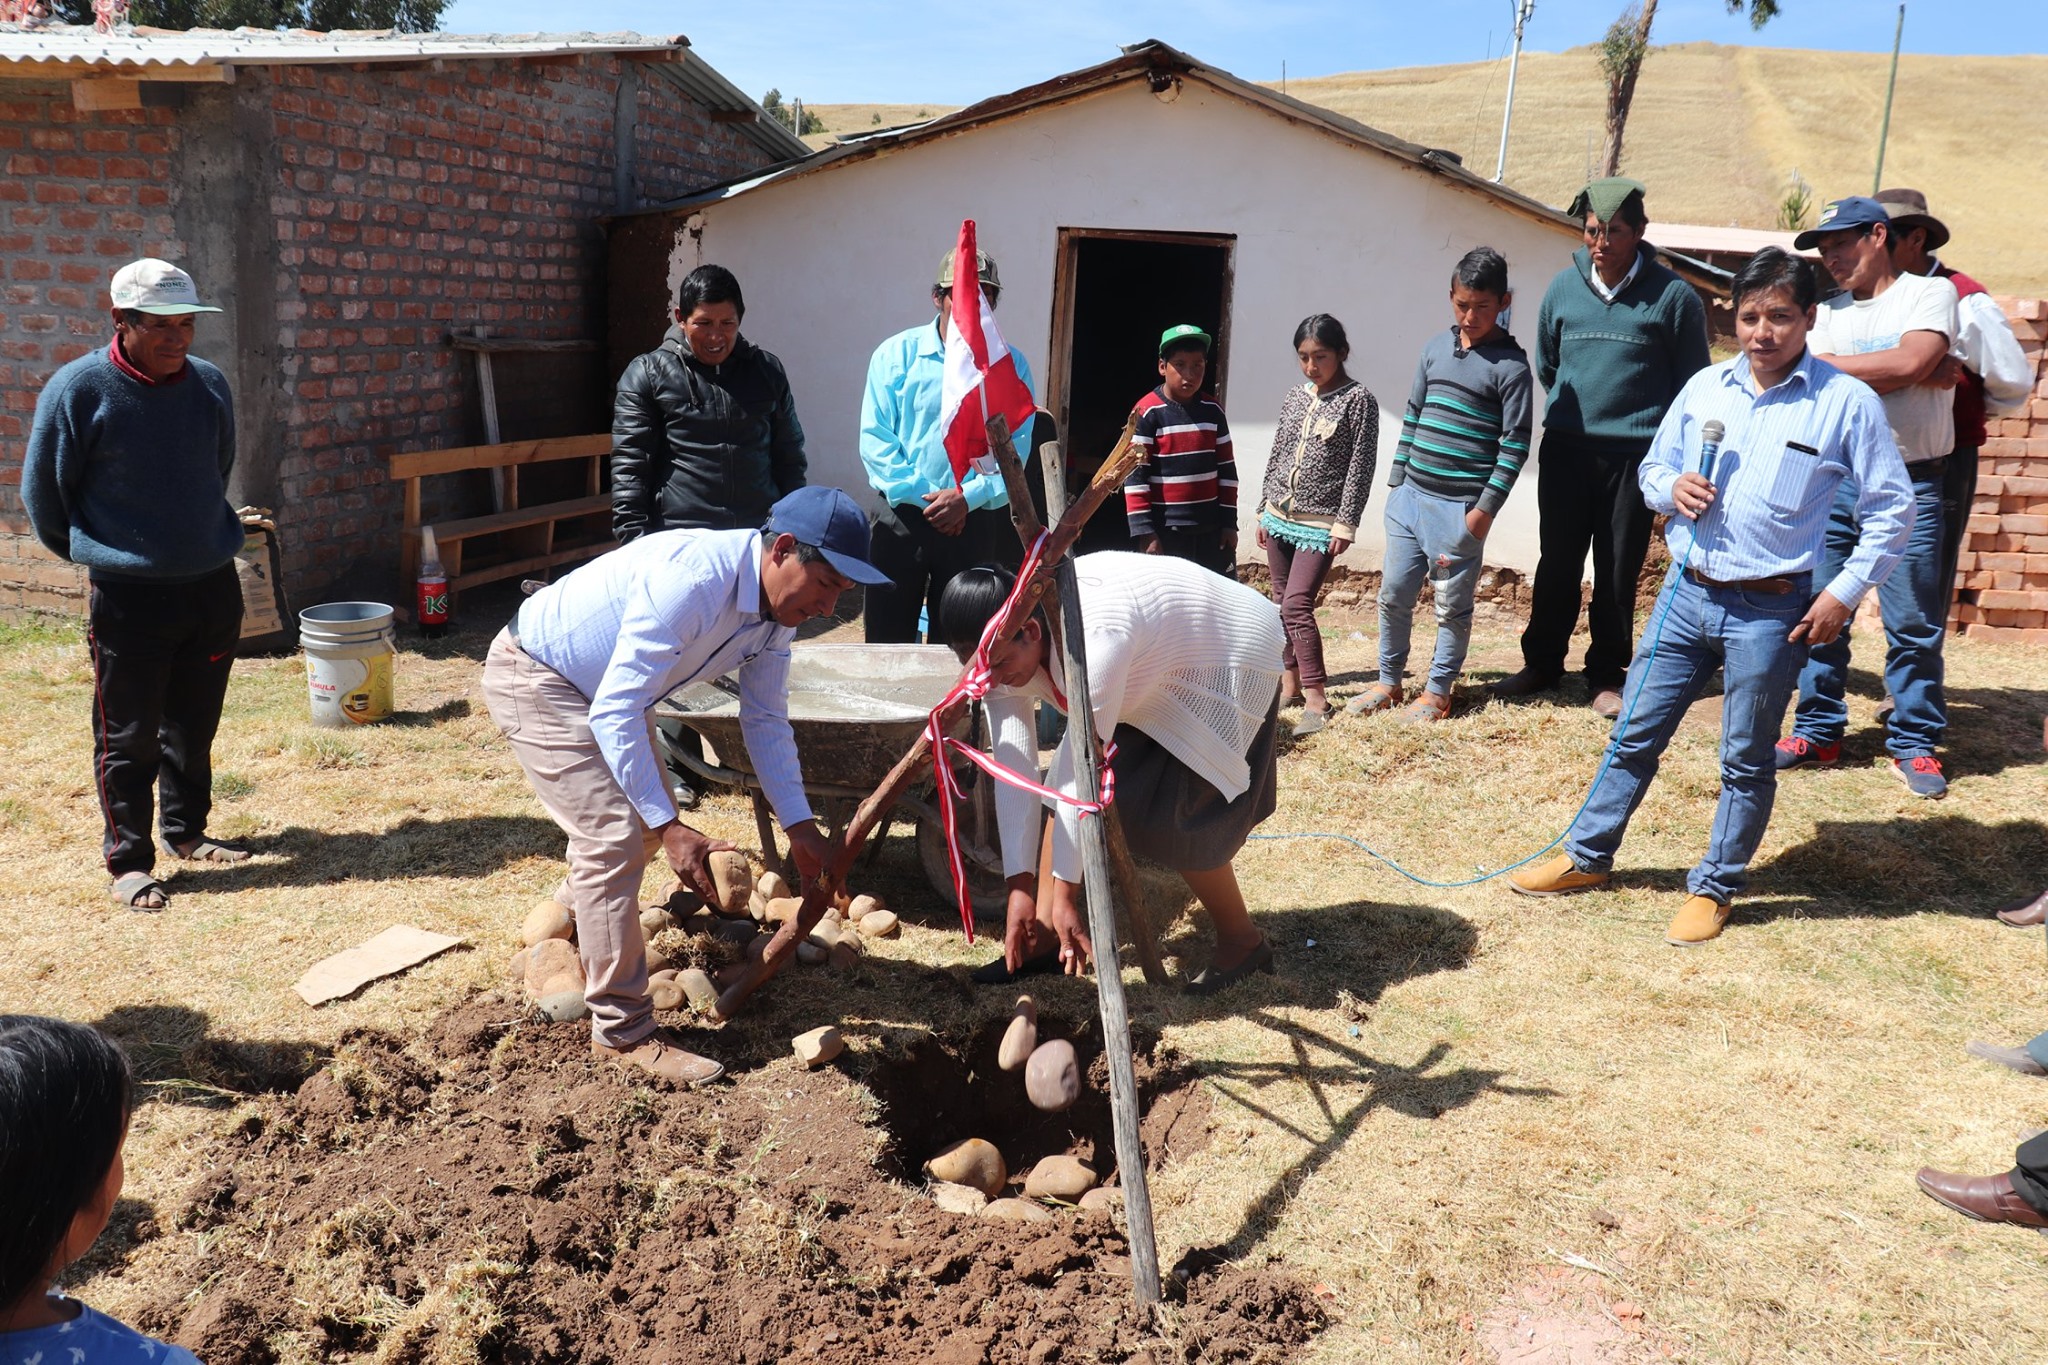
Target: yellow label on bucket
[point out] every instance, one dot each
(370, 700)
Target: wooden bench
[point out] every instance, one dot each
(521, 539)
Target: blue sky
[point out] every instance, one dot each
(958, 51)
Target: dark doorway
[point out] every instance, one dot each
(1114, 294)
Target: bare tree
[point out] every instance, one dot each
(1621, 61)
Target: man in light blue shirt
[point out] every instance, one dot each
(1749, 520)
(930, 528)
(573, 680)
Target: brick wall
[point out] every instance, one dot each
(350, 218)
(83, 194)
(2002, 576)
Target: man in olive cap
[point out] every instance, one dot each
(1617, 336)
(930, 526)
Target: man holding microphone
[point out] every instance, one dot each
(1748, 459)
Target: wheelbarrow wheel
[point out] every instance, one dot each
(986, 889)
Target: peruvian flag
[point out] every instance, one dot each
(975, 388)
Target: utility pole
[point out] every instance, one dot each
(1523, 9)
(1885, 130)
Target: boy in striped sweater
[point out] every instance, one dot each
(1182, 499)
(1463, 442)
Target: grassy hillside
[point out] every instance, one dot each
(1717, 131)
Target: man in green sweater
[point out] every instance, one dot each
(126, 475)
(1616, 338)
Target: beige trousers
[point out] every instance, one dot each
(548, 723)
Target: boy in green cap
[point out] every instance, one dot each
(1182, 498)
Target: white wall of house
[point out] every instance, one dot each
(835, 261)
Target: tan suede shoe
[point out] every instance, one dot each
(1700, 919)
(1554, 877)
(662, 1054)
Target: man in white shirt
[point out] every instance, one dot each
(572, 681)
(1893, 331)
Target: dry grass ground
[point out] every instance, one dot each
(847, 119)
(1480, 1122)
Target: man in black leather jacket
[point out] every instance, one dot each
(704, 430)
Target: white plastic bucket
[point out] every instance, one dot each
(348, 661)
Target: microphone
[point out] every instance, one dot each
(1710, 446)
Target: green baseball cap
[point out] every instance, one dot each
(984, 266)
(1187, 331)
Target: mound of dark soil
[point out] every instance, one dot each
(494, 1194)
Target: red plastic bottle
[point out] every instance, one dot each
(433, 587)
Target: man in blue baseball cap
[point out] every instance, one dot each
(1894, 331)
(573, 682)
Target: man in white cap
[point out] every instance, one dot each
(126, 475)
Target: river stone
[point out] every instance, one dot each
(548, 959)
(818, 1047)
(783, 908)
(697, 988)
(665, 992)
(1065, 1178)
(560, 1007)
(740, 931)
(771, 886)
(973, 1162)
(549, 919)
(878, 924)
(653, 919)
(757, 904)
(1016, 1211)
(844, 955)
(657, 961)
(732, 879)
(958, 1198)
(864, 905)
(1052, 1078)
(810, 954)
(1105, 1199)
(1020, 1039)
(515, 970)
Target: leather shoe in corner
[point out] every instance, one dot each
(1986, 1198)
(1700, 920)
(1554, 877)
(1526, 683)
(1606, 703)
(2011, 1058)
(2025, 914)
(1208, 981)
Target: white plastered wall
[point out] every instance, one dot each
(833, 262)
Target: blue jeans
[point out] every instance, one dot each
(1426, 534)
(1914, 620)
(1700, 629)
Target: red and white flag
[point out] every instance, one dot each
(976, 388)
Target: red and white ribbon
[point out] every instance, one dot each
(974, 684)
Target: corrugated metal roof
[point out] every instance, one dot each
(1700, 237)
(83, 45)
(65, 49)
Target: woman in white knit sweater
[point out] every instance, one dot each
(1184, 676)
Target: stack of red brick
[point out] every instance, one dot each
(2002, 578)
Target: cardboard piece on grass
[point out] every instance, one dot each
(348, 971)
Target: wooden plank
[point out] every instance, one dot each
(106, 94)
(513, 568)
(735, 116)
(463, 341)
(178, 73)
(454, 532)
(414, 464)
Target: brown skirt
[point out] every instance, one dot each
(1174, 817)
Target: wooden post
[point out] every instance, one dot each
(1095, 875)
(1123, 871)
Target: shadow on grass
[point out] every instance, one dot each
(1418, 1089)
(1903, 866)
(177, 1058)
(455, 708)
(132, 1222)
(471, 846)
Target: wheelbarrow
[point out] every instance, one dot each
(856, 709)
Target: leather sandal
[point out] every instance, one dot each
(1378, 697)
(1208, 981)
(204, 850)
(139, 891)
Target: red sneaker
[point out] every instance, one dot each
(1796, 752)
